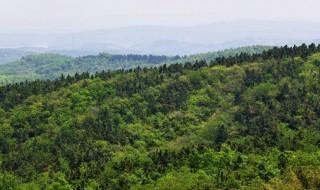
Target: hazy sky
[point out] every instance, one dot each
(95, 14)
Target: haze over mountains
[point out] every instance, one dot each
(164, 40)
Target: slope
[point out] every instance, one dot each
(244, 122)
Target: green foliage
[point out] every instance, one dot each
(245, 122)
(8, 181)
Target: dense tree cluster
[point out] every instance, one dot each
(250, 121)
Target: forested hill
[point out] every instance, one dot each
(241, 122)
(51, 66)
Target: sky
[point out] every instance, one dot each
(81, 15)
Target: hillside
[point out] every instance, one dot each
(51, 66)
(242, 122)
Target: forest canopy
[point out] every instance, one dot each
(247, 121)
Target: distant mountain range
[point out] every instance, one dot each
(160, 40)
